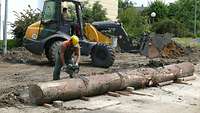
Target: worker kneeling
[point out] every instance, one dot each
(64, 58)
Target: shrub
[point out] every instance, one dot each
(170, 26)
(23, 20)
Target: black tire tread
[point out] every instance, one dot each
(110, 56)
(52, 51)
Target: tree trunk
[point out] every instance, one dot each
(99, 84)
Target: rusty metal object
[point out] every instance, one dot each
(76, 88)
(153, 51)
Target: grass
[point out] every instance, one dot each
(10, 43)
(188, 42)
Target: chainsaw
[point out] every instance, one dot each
(72, 70)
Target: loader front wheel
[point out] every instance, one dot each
(51, 52)
(102, 55)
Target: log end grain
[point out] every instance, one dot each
(36, 94)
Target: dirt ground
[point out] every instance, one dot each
(20, 68)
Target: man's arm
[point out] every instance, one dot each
(78, 54)
(62, 54)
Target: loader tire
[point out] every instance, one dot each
(102, 56)
(51, 53)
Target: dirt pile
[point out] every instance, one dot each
(21, 55)
(12, 97)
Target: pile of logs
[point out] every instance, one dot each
(100, 84)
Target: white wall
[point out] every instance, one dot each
(111, 7)
(18, 6)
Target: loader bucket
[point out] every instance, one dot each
(149, 49)
(165, 47)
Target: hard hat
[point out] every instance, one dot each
(75, 40)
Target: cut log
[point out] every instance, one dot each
(165, 83)
(140, 93)
(125, 93)
(113, 94)
(186, 78)
(130, 89)
(69, 89)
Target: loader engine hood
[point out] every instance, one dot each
(33, 30)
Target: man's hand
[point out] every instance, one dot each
(64, 67)
(77, 65)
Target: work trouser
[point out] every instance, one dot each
(58, 64)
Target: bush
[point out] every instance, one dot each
(23, 20)
(171, 26)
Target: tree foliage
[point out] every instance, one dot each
(170, 26)
(135, 24)
(159, 7)
(23, 20)
(180, 12)
(184, 10)
(94, 13)
(124, 4)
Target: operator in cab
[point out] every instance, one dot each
(65, 14)
(67, 53)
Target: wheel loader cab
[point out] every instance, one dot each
(60, 16)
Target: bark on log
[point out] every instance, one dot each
(99, 84)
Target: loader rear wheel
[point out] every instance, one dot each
(51, 52)
(102, 55)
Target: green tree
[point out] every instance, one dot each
(124, 4)
(183, 10)
(170, 26)
(159, 7)
(94, 13)
(23, 20)
(133, 22)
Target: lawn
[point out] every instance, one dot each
(191, 42)
(11, 43)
